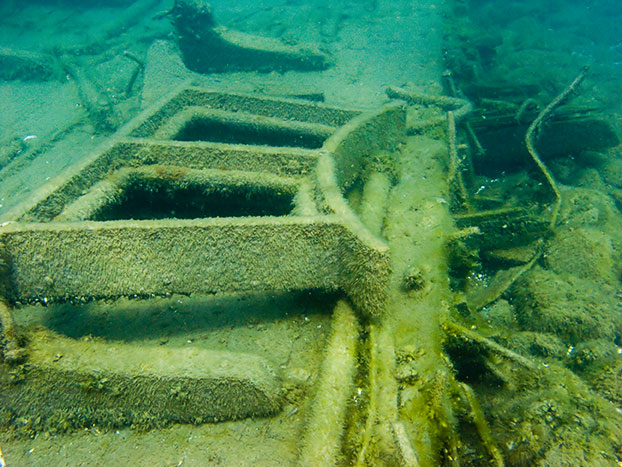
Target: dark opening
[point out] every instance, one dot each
(469, 362)
(217, 131)
(506, 150)
(148, 200)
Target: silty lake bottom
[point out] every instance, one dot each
(315, 233)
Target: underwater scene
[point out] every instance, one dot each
(286, 232)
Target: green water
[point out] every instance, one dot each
(503, 340)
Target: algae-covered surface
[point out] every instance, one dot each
(493, 189)
(287, 332)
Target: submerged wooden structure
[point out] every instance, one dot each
(203, 193)
(209, 193)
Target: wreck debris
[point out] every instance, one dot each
(140, 66)
(460, 108)
(479, 297)
(26, 66)
(208, 48)
(100, 108)
(461, 332)
(10, 349)
(321, 443)
(532, 134)
(408, 413)
(455, 179)
(167, 185)
(477, 415)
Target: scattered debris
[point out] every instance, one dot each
(208, 48)
(26, 66)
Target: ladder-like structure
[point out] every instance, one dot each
(203, 193)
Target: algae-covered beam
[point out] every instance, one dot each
(199, 123)
(10, 350)
(9, 341)
(93, 382)
(125, 258)
(207, 48)
(460, 107)
(324, 431)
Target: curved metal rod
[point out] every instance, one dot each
(531, 135)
